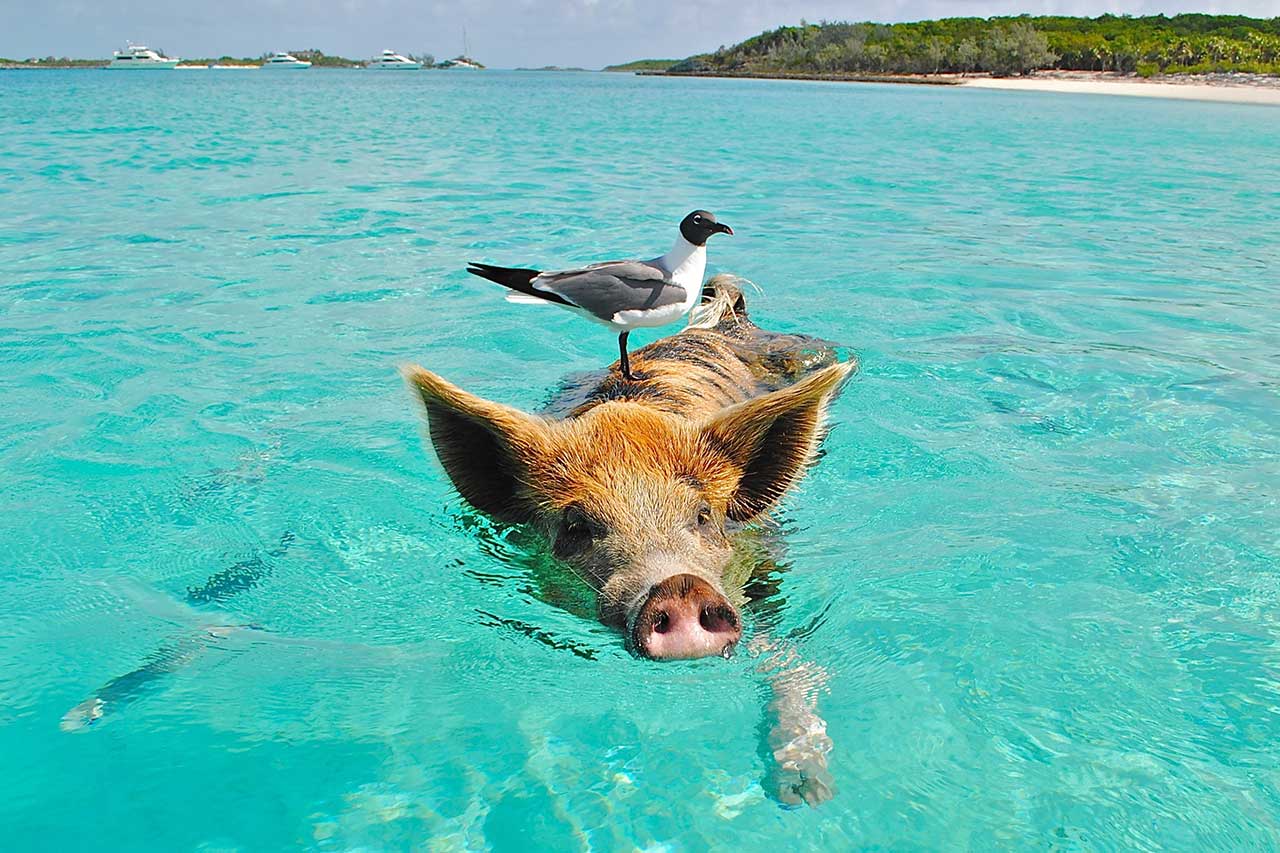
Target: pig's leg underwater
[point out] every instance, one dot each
(795, 738)
(123, 690)
(126, 689)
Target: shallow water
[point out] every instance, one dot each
(1039, 560)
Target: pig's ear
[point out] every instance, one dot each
(485, 447)
(772, 439)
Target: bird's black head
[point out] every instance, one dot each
(700, 225)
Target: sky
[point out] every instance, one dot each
(500, 33)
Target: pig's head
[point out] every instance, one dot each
(636, 500)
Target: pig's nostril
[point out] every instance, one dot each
(717, 618)
(661, 622)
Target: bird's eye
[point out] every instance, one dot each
(697, 220)
(575, 534)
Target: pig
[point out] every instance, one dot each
(652, 492)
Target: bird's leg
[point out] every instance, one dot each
(622, 350)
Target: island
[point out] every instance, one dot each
(643, 65)
(1148, 46)
(52, 62)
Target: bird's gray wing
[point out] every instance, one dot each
(605, 289)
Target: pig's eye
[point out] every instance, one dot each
(705, 516)
(576, 533)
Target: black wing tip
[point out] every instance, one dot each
(477, 267)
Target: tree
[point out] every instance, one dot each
(933, 55)
(998, 56)
(876, 57)
(1015, 49)
(1031, 48)
(967, 56)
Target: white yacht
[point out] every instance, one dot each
(284, 60)
(392, 61)
(140, 56)
(459, 62)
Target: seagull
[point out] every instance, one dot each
(622, 295)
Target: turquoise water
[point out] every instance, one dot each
(1039, 560)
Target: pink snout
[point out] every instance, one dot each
(685, 617)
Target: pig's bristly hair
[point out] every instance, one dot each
(721, 299)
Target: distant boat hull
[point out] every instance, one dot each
(286, 66)
(141, 64)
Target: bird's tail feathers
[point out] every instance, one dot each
(517, 280)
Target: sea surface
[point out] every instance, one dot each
(1039, 561)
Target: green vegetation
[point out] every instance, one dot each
(53, 62)
(1149, 45)
(223, 60)
(643, 65)
(319, 59)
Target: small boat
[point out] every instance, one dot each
(280, 59)
(138, 56)
(392, 61)
(460, 62)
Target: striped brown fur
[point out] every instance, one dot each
(644, 480)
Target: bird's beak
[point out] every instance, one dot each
(721, 228)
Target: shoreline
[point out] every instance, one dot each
(1219, 88)
(1223, 88)
(910, 79)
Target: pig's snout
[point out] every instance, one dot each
(685, 617)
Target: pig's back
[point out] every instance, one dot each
(720, 359)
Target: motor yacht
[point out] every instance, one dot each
(137, 56)
(392, 61)
(284, 60)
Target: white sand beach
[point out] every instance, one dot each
(1099, 84)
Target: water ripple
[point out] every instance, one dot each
(1037, 565)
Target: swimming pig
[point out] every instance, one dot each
(648, 490)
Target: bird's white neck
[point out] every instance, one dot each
(685, 263)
